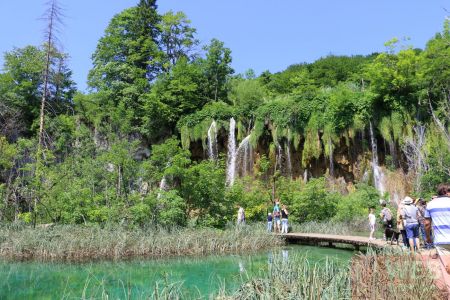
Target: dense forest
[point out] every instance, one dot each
(168, 134)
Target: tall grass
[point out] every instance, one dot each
(372, 276)
(392, 276)
(297, 278)
(78, 243)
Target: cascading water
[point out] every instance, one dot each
(231, 158)
(278, 158)
(288, 159)
(212, 141)
(330, 153)
(378, 175)
(162, 186)
(305, 176)
(244, 156)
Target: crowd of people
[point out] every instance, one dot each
(419, 223)
(277, 220)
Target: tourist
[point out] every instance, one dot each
(269, 222)
(421, 207)
(400, 225)
(241, 216)
(284, 219)
(372, 220)
(409, 215)
(276, 215)
(386, 217)
(438, 215)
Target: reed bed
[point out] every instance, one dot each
(387, 275)
(81, 243)
(297, 278)
(392, 276)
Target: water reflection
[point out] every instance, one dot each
(34, 280)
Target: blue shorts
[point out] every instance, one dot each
(412, 231)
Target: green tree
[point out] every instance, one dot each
(177, 38)
(217, 70)
(314, 202)
(22, 85)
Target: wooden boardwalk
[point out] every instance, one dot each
(331, 240)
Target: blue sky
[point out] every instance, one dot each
(262, 34)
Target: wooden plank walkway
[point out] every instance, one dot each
(319, 238)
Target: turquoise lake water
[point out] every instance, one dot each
(199, 276)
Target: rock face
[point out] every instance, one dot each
(351, 159)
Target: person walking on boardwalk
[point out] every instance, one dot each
(400, 225)
(284, 219)
(437, 215)
(386, 217)
(372, 220)
(421, 207)
(269, 222)
(409, 215)
(276, 215)
(241, 216)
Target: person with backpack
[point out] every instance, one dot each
(421, 207)
(386, 217)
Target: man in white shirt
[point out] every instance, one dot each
(438, 215)
(241, 216)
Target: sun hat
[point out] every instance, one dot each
(407, 200)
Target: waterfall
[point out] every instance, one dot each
(378, 175)
(231, 158)
(305, 176)
(288, 159)
(212, 141)
(162, 187)
(244, 153)
(330, 153)
(278, 158)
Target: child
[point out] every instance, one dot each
(372, 220)
(269, 222)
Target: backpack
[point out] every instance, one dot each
(387, 214)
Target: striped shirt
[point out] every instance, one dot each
(439, 211)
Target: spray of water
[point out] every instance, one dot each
(288, 159)
(231, 158)
(378, 175)
(212, 141)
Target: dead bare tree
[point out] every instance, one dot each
(413, 148)
(53, 20)
(443, 121)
